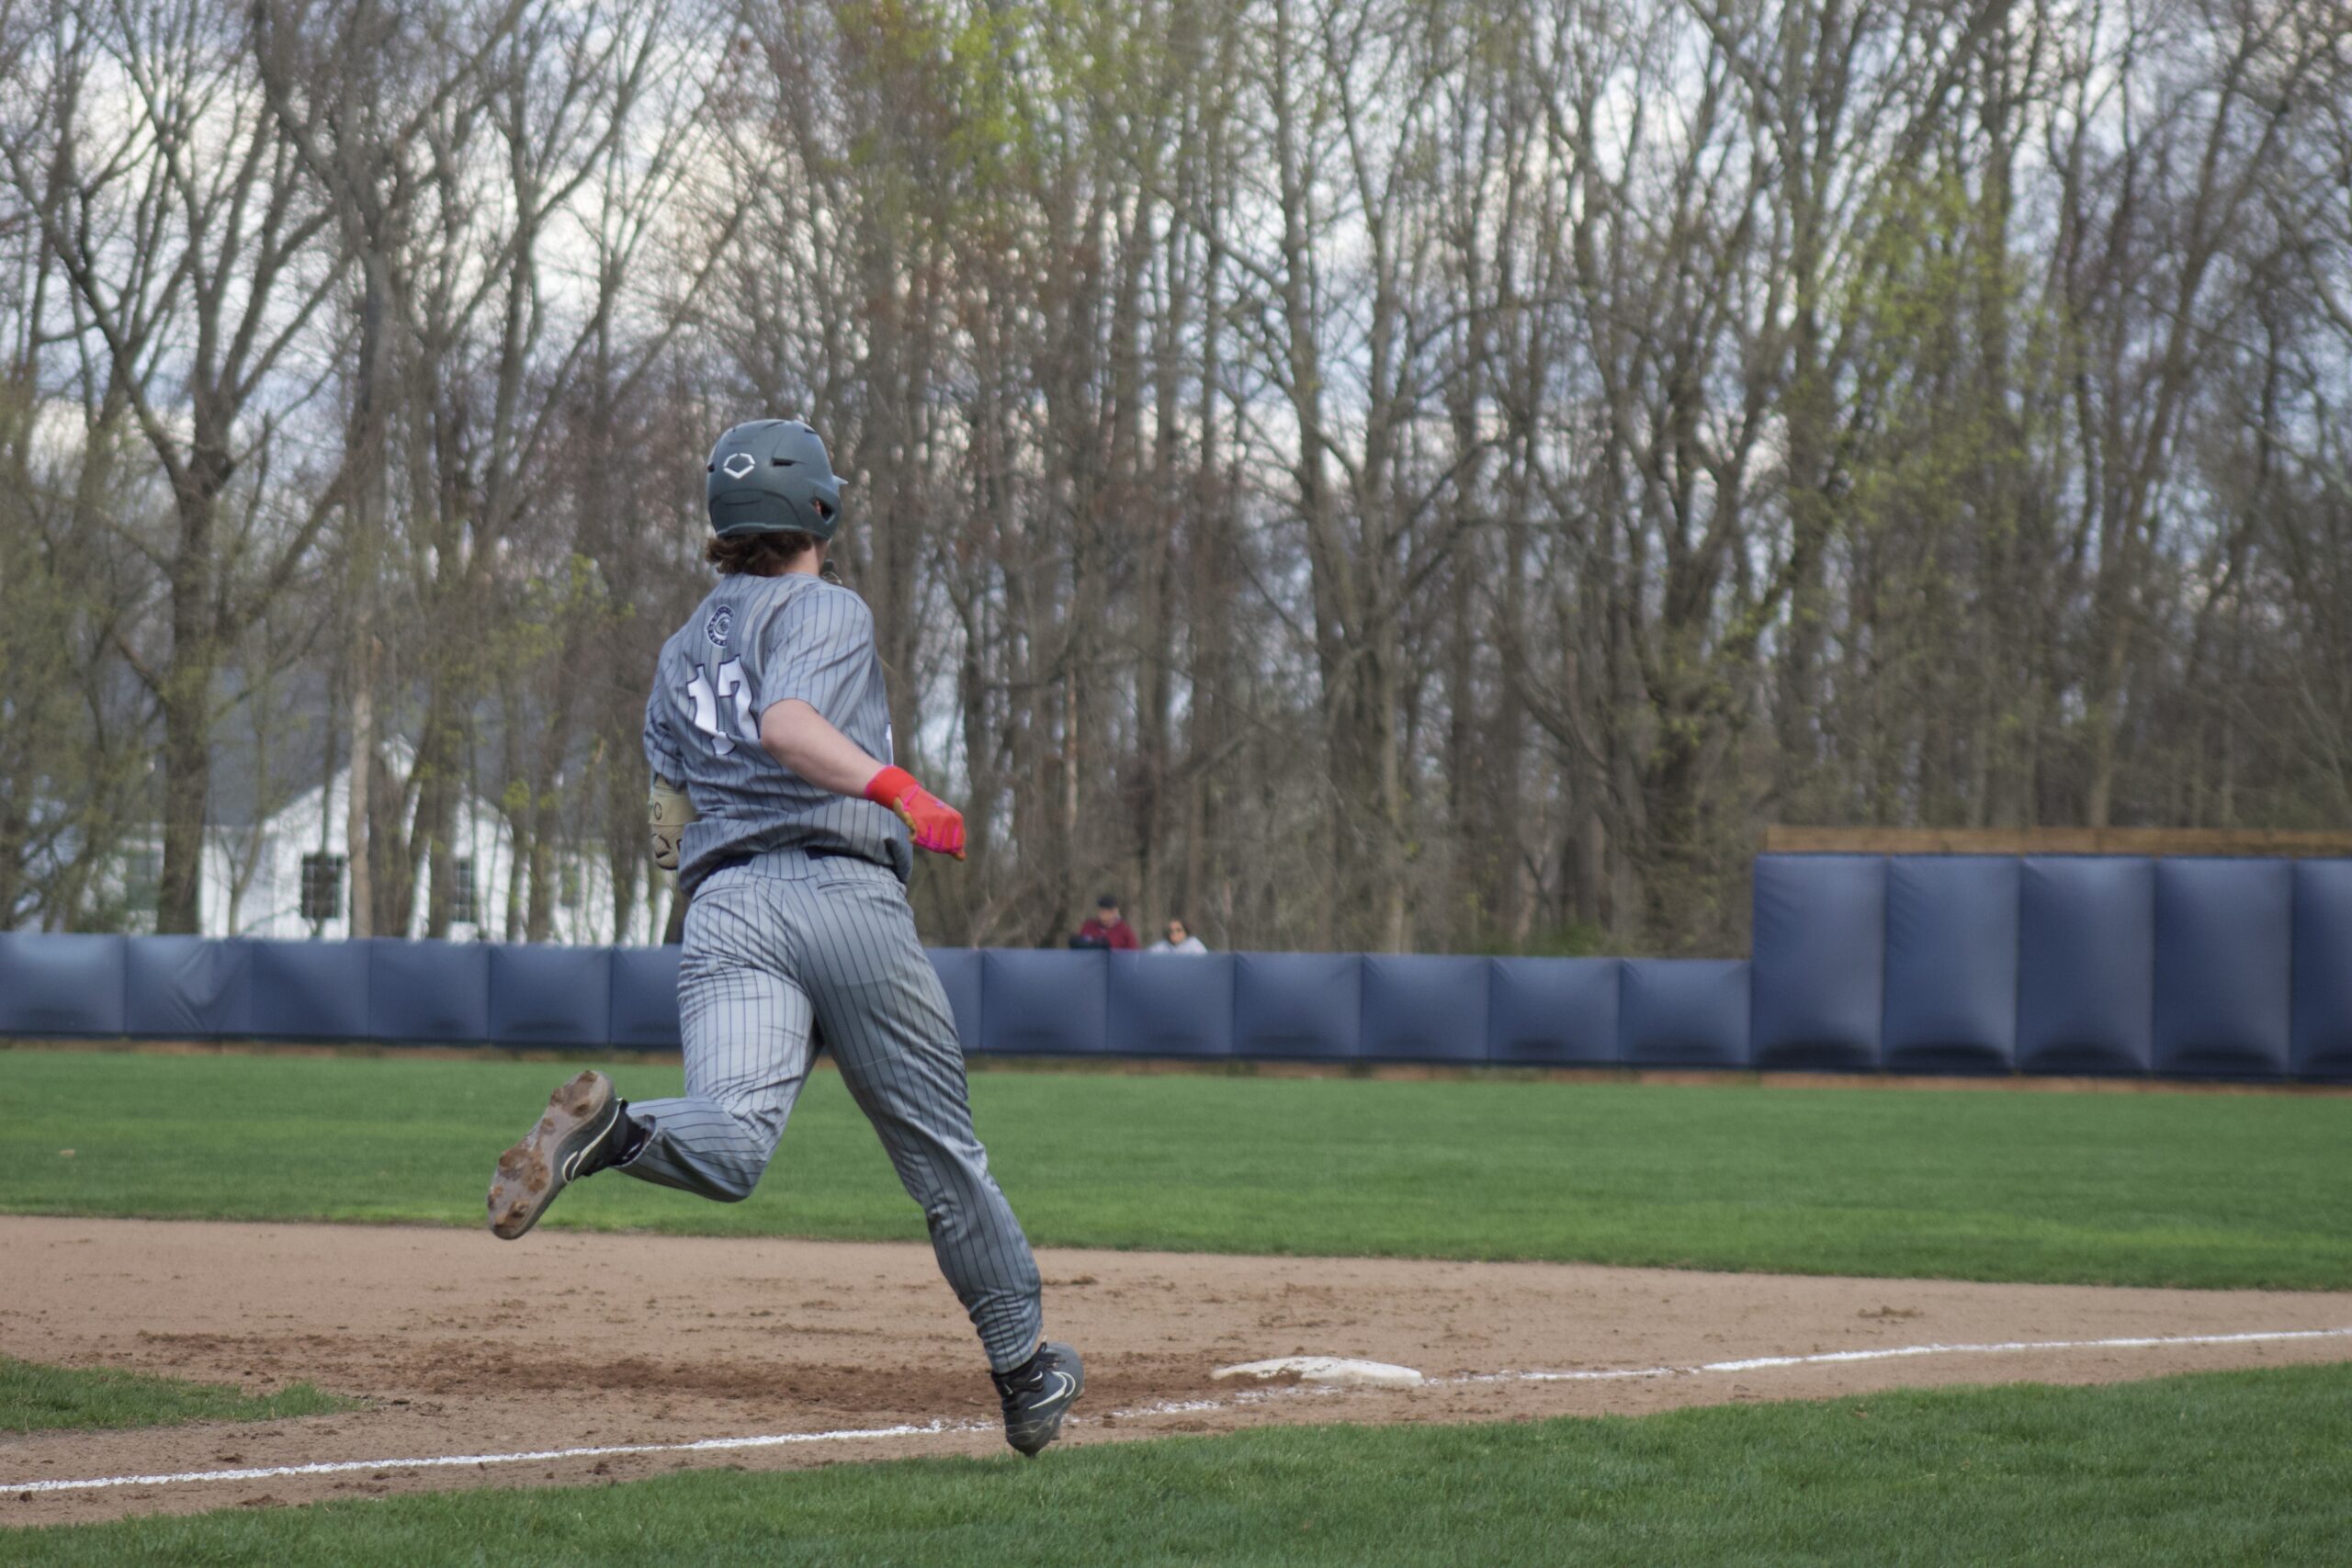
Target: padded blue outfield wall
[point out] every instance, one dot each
(2185, 967)
(2228, 968)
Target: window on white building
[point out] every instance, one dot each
(143, 878)
(465, 902)
(321, 888)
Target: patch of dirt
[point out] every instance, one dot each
(466, 1345)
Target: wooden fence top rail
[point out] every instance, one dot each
(1781, 840)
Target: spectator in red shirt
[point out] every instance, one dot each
(1106, 929)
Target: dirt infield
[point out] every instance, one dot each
(466, 1346)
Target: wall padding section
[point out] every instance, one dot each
(2323, 1011)
(433, 992)
(1172, 1004)
(2224, 966)
(645, 998)
(60, 983)
(1684, 1013)
(1298, 1004)
(1952, 964)
(543, 995)
(1424, 1008)
(959, 969)
(310, 990)
(1044, 1001)
(1560, 1010)
(2087, 957)
(1818, 997)
(187, 988)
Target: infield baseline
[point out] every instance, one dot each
(929, 1429)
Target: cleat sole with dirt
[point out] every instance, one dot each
(580, 1115)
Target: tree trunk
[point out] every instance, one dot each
(186, 701)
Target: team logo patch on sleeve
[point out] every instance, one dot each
(721, 622)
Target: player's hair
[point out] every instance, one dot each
(754, 553)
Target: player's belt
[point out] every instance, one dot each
(745, 857)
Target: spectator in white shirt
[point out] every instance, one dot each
(1179, 939)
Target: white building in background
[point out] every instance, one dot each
(287, 876)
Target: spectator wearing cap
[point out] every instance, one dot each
(1106, 929)
(1179, 938)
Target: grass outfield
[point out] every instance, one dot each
(2136, 1190)
(35, 1398)
(2220, 1467)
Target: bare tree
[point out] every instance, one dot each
(178, 216)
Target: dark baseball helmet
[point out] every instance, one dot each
(770, 476)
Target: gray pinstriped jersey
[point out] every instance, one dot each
(754, 642)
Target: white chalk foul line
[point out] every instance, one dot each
(928, 1429)
(452, 1461)
(1900, 1352)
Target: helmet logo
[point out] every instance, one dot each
(738, 464)
(721, 622)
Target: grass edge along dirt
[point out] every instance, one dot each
(2228, 1191)
(38, 1398)
(2209, 1467)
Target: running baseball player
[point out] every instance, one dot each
(775, 801)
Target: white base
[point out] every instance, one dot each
(1339, 1369)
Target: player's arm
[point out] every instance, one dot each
(802, 740)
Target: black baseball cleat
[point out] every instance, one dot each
(586, 1129)
(1037, 1393)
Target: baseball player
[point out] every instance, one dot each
(774, 799)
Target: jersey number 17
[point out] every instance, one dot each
(703, 694)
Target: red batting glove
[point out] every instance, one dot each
(937, 826)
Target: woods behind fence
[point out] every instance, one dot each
(1430, 473)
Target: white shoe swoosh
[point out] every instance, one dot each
(571, 1165)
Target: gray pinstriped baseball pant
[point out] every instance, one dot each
(785, 939)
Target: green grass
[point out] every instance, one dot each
(2138, 1189)
(2230, 1467)
(35, 1398)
